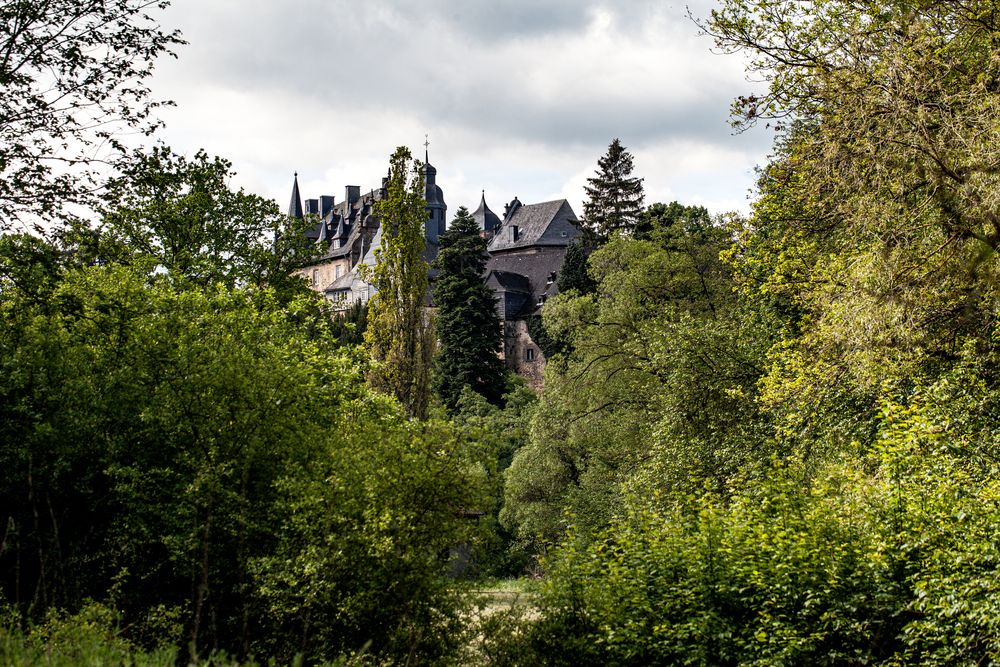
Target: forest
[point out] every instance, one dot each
(763, 439)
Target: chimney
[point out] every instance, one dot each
(326, 204)
(352, 193)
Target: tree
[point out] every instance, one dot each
(194, 457)
(181, 216)
(876, 231)
(879, 214)
(614, 196)
(574, 274)
(467, 324)
(660, 218)
(399, 334)
(656, 393)
(73, 77)
(348, 328)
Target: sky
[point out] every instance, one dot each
(515, 97)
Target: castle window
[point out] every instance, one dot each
(529, 354)
(339, 268)
(315, 277)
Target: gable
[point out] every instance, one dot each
(551, 223)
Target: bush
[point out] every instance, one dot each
(193, 457)
(891, 558)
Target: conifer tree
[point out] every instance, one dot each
(399, 336)
(468, 326)
(614, 196)
(574, 274)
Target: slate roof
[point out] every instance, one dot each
(484, 217)
(295, 205)
(550, 223)
(343, 282)
(433, 194)
(527, 273)
(510, 280)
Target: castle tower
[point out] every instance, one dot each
(436, 208)
(488, 221)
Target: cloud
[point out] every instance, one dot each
(519, 97)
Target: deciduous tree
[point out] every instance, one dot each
(399, 333)
(879, 214)
(183, 217)
(73, 76)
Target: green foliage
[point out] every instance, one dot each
(574, 274)
(164, 445)
(657, 391)
(548, 344)
(348, 328)
(752, 583)
(884, 559)
(181, 218)
(499, 433)
(91, 637)
(660, 219)
(467, 324)
(803, 470)
(399, 334)
(359, 558)
(73, 78)
(94, 636)
(614, 196)
(876, 229)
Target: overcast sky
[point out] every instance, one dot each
(518, 97)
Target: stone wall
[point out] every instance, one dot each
(320, 275)
(521, 354)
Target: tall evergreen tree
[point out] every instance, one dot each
(574, 274)
(399, 336)
(468, 326)
(614, 196)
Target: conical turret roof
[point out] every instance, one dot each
(295, 205)
(488, 220)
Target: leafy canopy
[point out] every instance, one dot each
(213, 472)
(73, 76)
(182, 216)
(399, 332)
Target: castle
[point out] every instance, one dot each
(526, 251)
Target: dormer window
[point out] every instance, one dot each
(513, 232)
(551, 279)
(541, 300)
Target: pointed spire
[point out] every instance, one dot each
(295, 205)
(487, 219)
